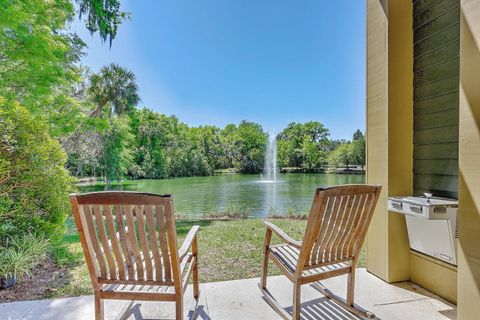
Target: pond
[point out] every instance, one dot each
(197, 196)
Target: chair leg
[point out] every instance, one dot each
(179, 308)
(196, 286)
(263, 279)
(296, 300)
(351, 287)
(99, 313)
(266, 245)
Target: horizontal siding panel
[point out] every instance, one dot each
(436, 68)
(436, 120)
(420, 6)
(436, 151)
(437, 40)
(436, 166)
(438, 55)
(436, 104)
(436, 135)
(435, 88)
(439, 71)
(436, 182)
(431, 9)
(442, 22)
(436, 193)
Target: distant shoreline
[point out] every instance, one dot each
(86, 181)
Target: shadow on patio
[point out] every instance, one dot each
(241, 299)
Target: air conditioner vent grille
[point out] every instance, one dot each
(456, 227)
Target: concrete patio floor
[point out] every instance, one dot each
(241, 299)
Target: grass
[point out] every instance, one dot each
(228, 250)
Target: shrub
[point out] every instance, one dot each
(34, 184)
(20, 254)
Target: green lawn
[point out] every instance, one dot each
(228, 250)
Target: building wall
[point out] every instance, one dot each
(469, 162)
(389, 132)
(390, 145)
(436, 33)
(377, 132)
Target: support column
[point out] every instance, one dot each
(469, 160)
(389, 131)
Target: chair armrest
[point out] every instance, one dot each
(279, 232)
(187, 243)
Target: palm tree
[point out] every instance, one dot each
(113, 87)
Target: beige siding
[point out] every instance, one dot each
(389, 132)
(469, 162)
(377, 132)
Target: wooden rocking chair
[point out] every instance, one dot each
(334, 235)
(130, 245)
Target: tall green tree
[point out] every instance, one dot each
(39, 60)
(303, 145)
(113, 89)
(358, 148)
(117, 155)
(250, 142)
(342, 156)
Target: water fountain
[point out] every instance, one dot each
(270, 165)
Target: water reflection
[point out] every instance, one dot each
(199, 195)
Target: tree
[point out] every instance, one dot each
(102, 16)
(250, 140)
(343, 155)
(303, 145)
(39, 60)
(358, 135)
(113, 88)
(117, 155)
(313, 156)
(358, 148)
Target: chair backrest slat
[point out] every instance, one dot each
(337, 224)
(139, 215)
(97, 252)
(104, 241)
(132, 242)
(163, 241)
(122, 234)
(349, 226)
(153, 242)
(342, 229)
(114, 242)
(127, 237)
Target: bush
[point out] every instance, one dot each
(19, 255)
(34, 184)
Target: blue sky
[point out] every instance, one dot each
(221, 61)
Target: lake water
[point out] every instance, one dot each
(196, 196)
